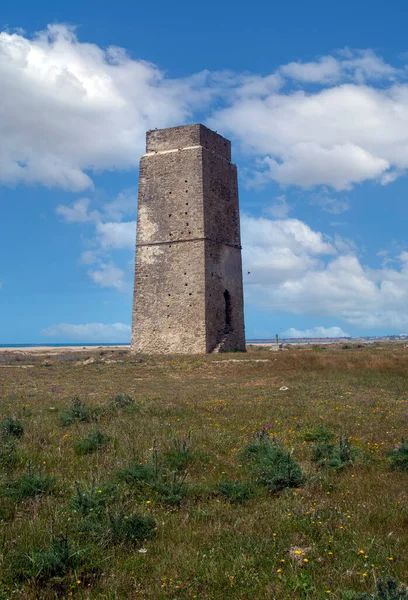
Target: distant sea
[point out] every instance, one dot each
(62, 345)
(253, 341)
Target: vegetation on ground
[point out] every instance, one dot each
(255, 476)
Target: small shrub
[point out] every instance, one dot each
(398, 458)
(133, 527)
(29, 485)
(94, 441)
(333, 455)
(91, 500)
(236, 492)
(55, 561)
(12, 427)
(385, 590)
(180, 455)
(122, 400)
(272, 465)
(8, 455)
(138, 474)
(78, 412)
(170, 488)
(319, 434)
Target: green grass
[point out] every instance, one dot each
(204, 479)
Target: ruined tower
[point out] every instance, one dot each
(188, 274)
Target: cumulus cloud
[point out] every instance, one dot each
(69, 108)
(315, 332)
(297, 270)
(328, 203)
(109, 275)
(89, 332)
(117, 234)
(348, 127)
(78, 212)
(357, 65)
(279, 208)
(107, 235)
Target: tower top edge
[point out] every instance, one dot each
(182, 136)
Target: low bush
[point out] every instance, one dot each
(334, 455)
(386, 589)
(398, 458)
(29, 485)
(12, 427)
(94, 441)
(122, 400)
(130, 527)
(319, 434)
(8, 455)
(57, 560)
(236, 492)
(166, 486)
(180, 455)
(78, 413)
(272, 465)
(170, 488)
(137, 474)
(92, 499)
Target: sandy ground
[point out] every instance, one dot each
(59, 349)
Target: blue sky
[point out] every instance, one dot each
(314, 97)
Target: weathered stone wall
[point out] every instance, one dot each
(188, 275)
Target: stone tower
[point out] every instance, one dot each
(188, 275)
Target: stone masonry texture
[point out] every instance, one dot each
(188, 296)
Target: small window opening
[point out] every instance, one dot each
(228, 312)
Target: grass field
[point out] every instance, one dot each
(199, 477)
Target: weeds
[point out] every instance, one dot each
(180, 455)
(94, 441)
(92, 499)
(398, 458)
(122, 401)
(137, 474)
(333, 455)
(236, 492)
(78, 413)
(272, 465)
(12, 427)
(170, 488)
(319, 434)
(57, 560)
(386, 589)
(30, 484)
(130, 527)
(8, 455)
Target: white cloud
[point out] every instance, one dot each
(117, 235)
(326, 69)
(315, 332)
(69, 108)
(279, 208)
(109, 275)
(295, 269)
(90, 332)
(356, 65)
(77, 212)
(108, 235)
(124, 204)
(330, 204)
(336, 136)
